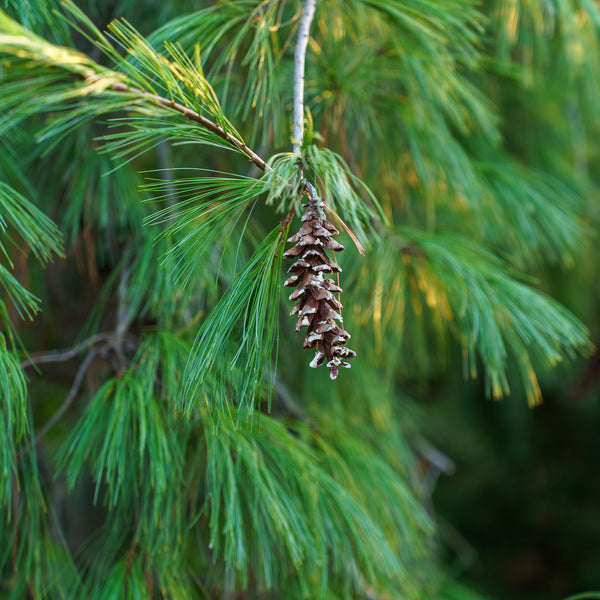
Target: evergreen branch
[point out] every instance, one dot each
(192, 115)
(25, 303)
(471, 293)
(243, 324)
(289, 483)
(38, 235)
(15, 421)
(127, 400)
(32, 225)
(20, 42)
(111, 341)
(243, 44)
(299, 58)
(196, 228)
(339, 186)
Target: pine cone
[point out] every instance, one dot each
(317, 306)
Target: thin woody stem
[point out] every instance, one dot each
(198, 118)
(66, 354)
(299, 59)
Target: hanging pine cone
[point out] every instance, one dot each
(317, 306)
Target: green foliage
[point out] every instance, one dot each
(450, 140)
(42, 562)
(203, 219)
(474, 296)
(340, 188)
(40, 15)
(28, 222)
(338, 185)
(22, 223)
(242, 42)
(268, 485)
(210, 372)
(13, 391)
(537, 216)
(134, 422)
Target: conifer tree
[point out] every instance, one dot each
(163, 434)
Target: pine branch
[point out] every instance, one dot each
(299, 58)
(192, 115)
(17, 40)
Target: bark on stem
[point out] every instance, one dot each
(299, 58)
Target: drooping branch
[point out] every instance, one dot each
(299, 59)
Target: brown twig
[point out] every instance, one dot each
(192, 115)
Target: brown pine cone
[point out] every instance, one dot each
(317, 306)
